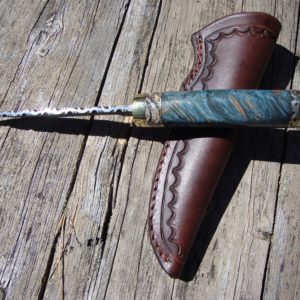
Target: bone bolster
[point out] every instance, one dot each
(228, 108)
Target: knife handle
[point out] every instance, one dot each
(218, 108)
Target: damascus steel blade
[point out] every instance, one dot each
(123, 110)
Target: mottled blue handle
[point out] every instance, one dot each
(227, 108)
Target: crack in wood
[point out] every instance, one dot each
(45, 277)
(79, 159)
(123, 217)
(284, 153)
(150, 46)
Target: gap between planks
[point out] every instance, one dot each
(50, 261)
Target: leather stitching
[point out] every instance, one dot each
(218, 36)
(173, 190)
(197, 65)
(168, 256)
(214, 38)
(166, 184)
(165, 256)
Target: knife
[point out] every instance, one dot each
(208, 108)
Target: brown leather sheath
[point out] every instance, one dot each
(231, 53)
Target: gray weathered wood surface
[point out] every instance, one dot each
(74, 195)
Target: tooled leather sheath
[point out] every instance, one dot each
(231, 53)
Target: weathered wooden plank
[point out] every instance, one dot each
(107, 177)
(282, 278)
(62, 62)
(16, 22)
(268, 7)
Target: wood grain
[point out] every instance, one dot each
(58, 66)
(74, 194)
(282, 276)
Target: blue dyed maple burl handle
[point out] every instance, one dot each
(227, 108)
(263, 108)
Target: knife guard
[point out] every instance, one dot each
(230, 53)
